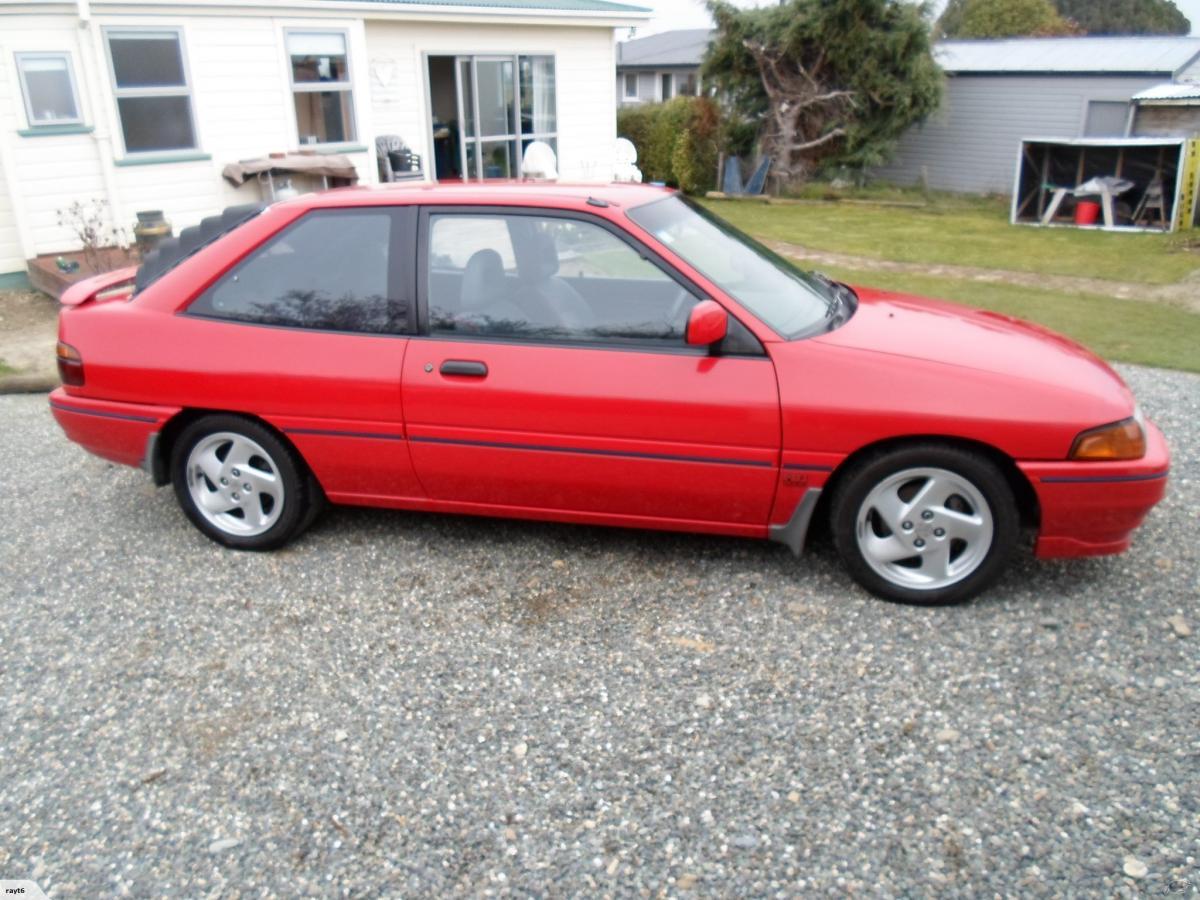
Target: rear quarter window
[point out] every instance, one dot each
(333, 270)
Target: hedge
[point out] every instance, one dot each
(676, 141)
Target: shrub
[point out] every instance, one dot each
(676, 141)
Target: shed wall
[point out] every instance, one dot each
(970, 144)
(1167, 121)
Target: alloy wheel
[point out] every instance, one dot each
(235, 484)
(924, 528)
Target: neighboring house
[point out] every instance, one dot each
(141, 104)
(657, 68)
(998, 92)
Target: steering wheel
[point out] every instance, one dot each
(681, 300)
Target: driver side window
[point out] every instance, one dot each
(547, 278)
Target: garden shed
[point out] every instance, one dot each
(1000, 91)
(1147, 183)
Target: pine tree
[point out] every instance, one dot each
(830, 81)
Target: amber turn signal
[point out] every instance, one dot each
(70, 364)
(1120, 440)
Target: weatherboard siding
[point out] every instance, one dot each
(242, 107)
(970, 144)
(11, 258)
(45, 173)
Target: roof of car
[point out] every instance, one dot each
(495, 193)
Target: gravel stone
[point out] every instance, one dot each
(1180, 626)
(160, 695)
(1135, 868)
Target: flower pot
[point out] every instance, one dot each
(151, 228)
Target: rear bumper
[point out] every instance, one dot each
(1092, 509)
(119, 432)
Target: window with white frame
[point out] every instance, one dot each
(687, 85)
(320, 75)
(48, 85)
(631, 85)
(154, 97)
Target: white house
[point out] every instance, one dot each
(141, 103)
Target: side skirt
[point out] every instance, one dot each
(793, 532)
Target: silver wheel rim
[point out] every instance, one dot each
(924, 528)
(235, 484)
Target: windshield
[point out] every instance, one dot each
(788, 299)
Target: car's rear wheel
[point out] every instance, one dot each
(925, 524)
(240, 484)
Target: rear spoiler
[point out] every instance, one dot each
(115, 285)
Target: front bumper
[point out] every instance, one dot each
(1093, 508)
(120, 432)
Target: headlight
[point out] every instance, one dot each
(1120, 440)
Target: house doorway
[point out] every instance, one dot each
(486, 109)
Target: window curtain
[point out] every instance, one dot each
(543, 94)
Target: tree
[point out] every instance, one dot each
(1126, 16)
(829, 81)
(1012, 18)
(1001, 19)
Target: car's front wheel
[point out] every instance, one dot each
(240, 484)
(925, 524)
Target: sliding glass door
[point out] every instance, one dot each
(504, 103)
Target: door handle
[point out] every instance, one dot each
(469, 367)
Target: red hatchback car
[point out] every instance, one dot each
(610, 355)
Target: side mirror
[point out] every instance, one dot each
(707, 323)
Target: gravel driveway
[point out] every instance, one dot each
(422, 705)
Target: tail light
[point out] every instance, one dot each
(70, 365)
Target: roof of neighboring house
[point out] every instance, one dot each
(684, 47)
(1079, 55)
(1165, 93)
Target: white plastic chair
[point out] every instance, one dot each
(539, 162)
(624, 157)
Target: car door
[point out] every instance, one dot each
(552, 376)
(308, 331)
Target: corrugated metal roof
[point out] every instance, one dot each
(1094, 55)
(524, 5)
(683, 47)
(1108, 141)
(1168, 92)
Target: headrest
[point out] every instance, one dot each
(543, 257)
(482, 279)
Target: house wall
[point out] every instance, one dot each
(11, 259)
(970, 144)
(241, 104)
(243, 108)
(583, 59)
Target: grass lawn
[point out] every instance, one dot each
(5, 368)
(965, 232)
(1149, 334)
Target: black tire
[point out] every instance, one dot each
(989, 557)
(301, 497)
